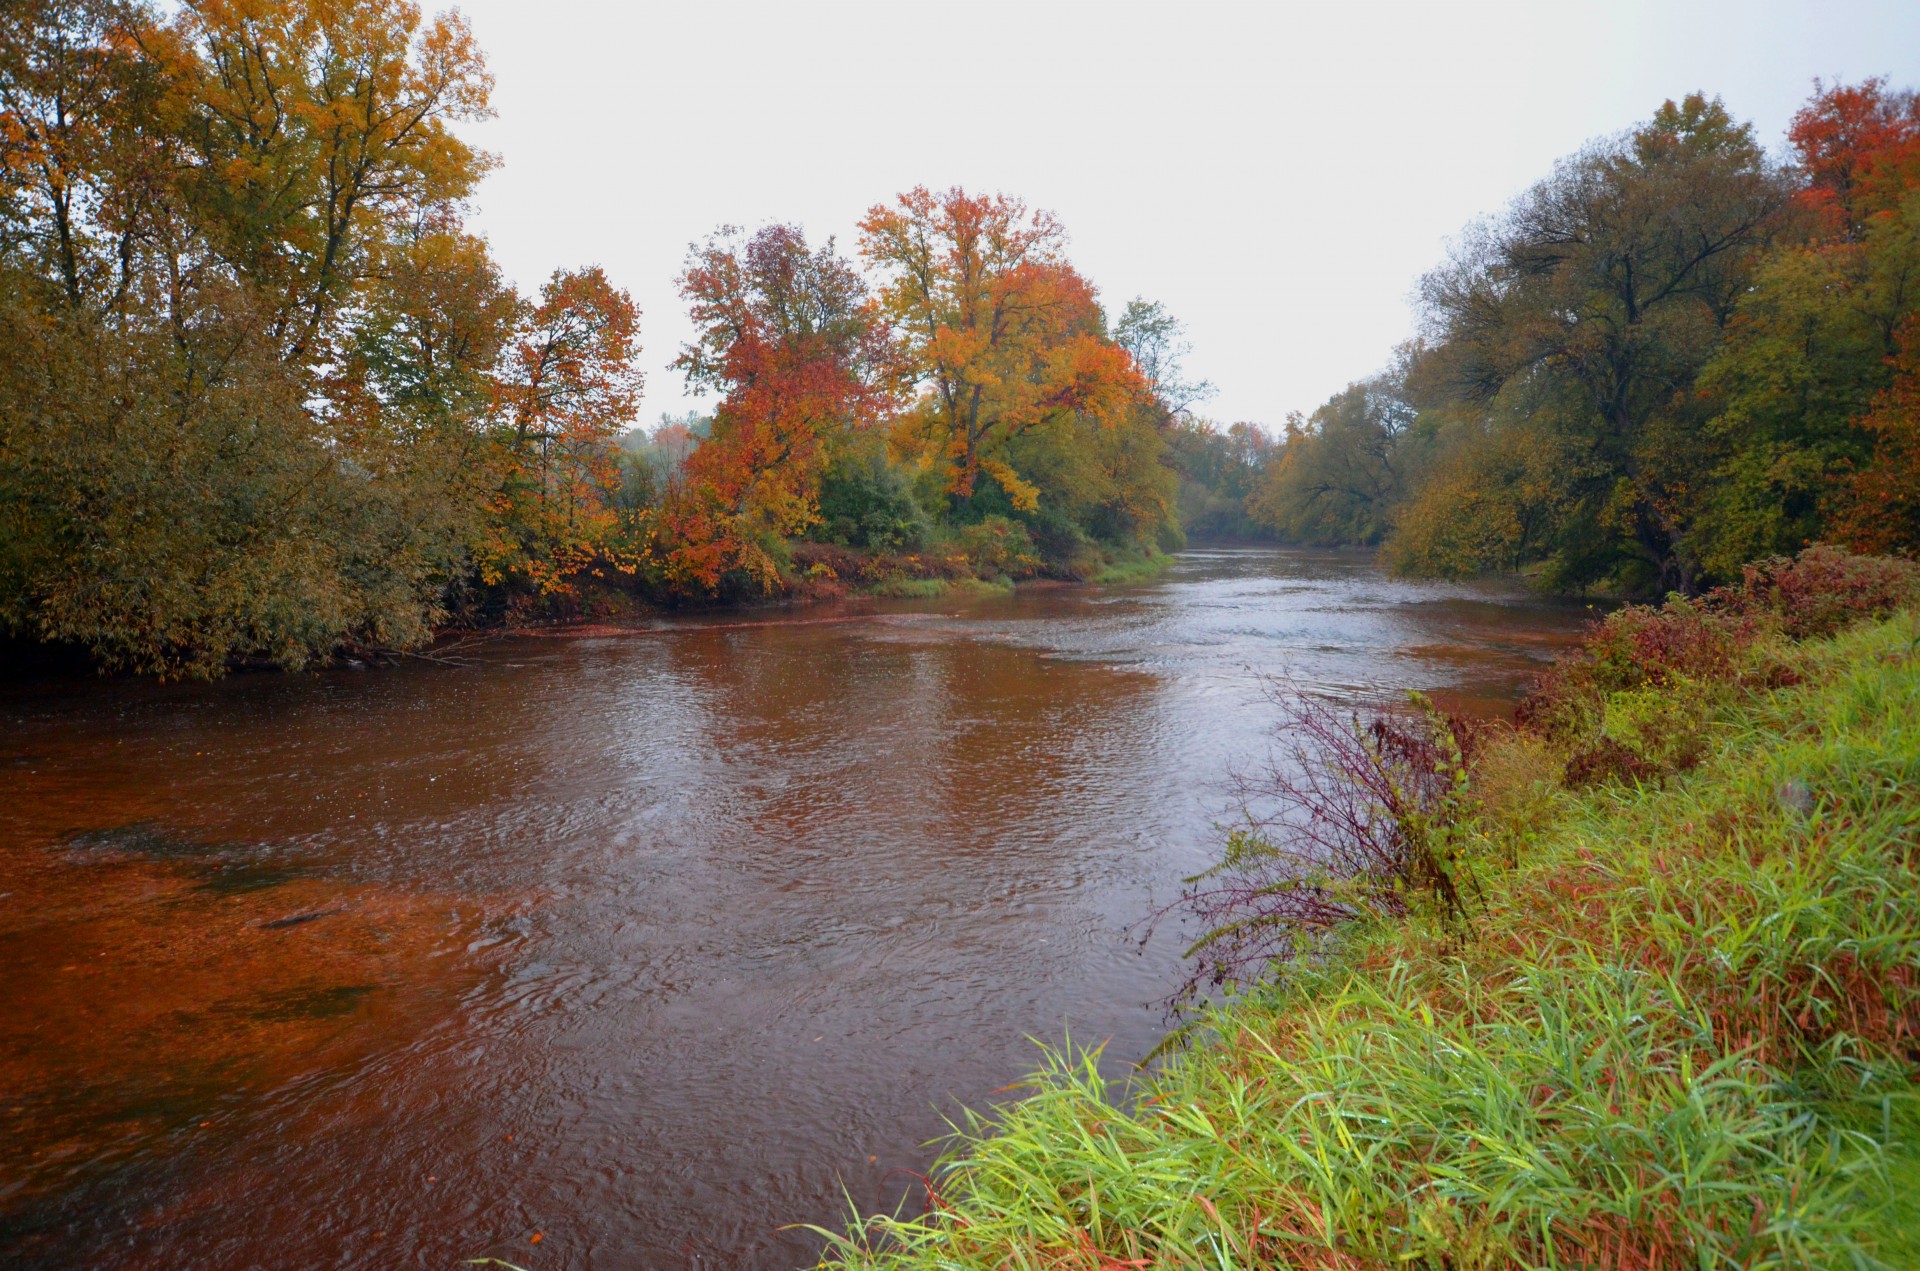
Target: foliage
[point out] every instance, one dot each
(1880, 502)
(1588, 311)
(267, 397)
(997, 547)
(785, 335)
(1218, 470)
(1859, 146)
(996, 331)
(867, 502)
(1671, 357)
(1635, 701)
(244, 337)
(973, 407)
(569, 389)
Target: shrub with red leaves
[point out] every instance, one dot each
(1817, 593)
(1826, 589)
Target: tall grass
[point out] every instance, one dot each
(1682, 1035)
(1125, 568)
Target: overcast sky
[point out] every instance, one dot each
(1278, 175)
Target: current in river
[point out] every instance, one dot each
(630, 948)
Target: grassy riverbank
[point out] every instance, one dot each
(1674, 1027)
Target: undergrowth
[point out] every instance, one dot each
(1676, 1027)
(1136, 567)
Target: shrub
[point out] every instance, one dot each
(1634, 703)
(1824, 590)
(1354, 817)
(865, 502)
(997, 547)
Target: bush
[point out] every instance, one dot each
(1354, 817)
(866, 502)
(1825, 589)
(998, 547)
(1635, 702)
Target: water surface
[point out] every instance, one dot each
(645, 943)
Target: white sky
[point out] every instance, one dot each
(1278, 175)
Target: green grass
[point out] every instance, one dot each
(933, 588)
(910, 588)
(1132, 569)
(1678, 1036)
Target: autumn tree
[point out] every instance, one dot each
(309, 126)
(259, 398)
(785, 336)
(569, 388)
(191, 204)
(1879, 507)
(997, 334)
(1859, 149)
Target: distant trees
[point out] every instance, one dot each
(264, 395)
(1218, 469)
(1339, 477)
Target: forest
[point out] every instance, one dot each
(265, 396)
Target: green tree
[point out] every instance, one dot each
(1584, 316)
(1809, 346)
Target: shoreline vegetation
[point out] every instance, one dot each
(266, 398)
(1633, 982)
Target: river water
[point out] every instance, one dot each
(624, 950)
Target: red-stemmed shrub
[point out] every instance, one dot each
(1350, 816)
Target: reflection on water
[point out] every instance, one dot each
(645, 943)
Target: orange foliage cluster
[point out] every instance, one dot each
(998, 327)
(980, 332)
(1880, 511)
(787, 337)
(569, 389)
(1859, 146)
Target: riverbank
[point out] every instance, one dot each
(1673, 1027)
(821, 575)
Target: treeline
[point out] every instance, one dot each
(1671, 357)
(265, 395)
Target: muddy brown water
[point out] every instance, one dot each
(645, 943)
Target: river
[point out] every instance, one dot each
(623, 950)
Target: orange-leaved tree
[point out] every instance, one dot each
(569, 388)
(786, 335)
(1859, 147)
(995, 330)
(1880, 504)
(310, 124)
